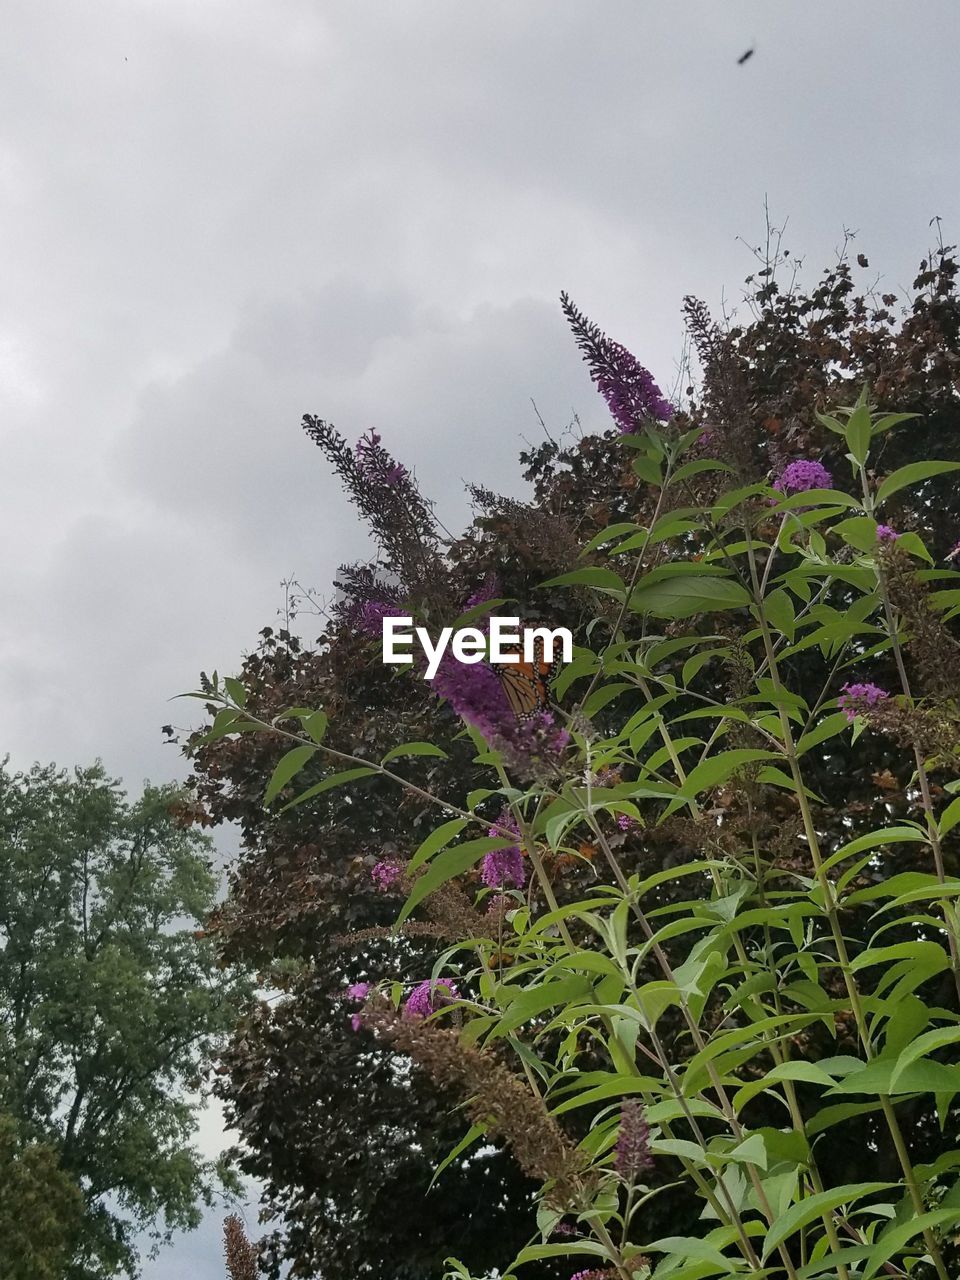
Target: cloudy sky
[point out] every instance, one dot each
(217, 216)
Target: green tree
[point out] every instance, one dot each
(111, 1001)
(40, 1209)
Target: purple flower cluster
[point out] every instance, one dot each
(376, 463)
(626, 823)
(373, 612)
(886, 534)
(534, 747)
(633, 1144)
(630, 391)
(504, 867)
(857, 698)
(428, 997)
(475, 694)
(706, 445)
(631, 394)
(385, 875)
(803, 474)
(490, 590)
(357, 992)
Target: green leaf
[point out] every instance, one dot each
(536, 1251)
(812, 1207)
(950, 816)
(779, 610)
(236, 691)
(414, 749)
(475, 1132)
(682, 597)
(815, 498)
(859, 532)
(612, 533)
(648, 469)
(327, 784)
(690, 1247)
(715, 770)
(913, 473)
(892, 420)
(435, 841)
(893, 1239)
(922, 1045)
(446, 865)
(828, 727)
(287, 767)
(315, 725)
(857, 432)
(690, 469)
(593, 576)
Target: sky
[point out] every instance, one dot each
(215, 217)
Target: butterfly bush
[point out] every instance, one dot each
(504, 867)
(629, 389)
(858, 697)
(728, 1008)
(386, 875)
(633, 1142)
(803, 474)
(428, 997)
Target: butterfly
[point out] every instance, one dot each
(526, 685)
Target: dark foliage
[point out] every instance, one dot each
(326, 1115)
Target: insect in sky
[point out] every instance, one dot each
(745, 57)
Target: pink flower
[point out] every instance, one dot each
(886, 534)
(857, 698)
(502, 867)
(357, 991)
(803, 474)
(386, 874)
(428, 997)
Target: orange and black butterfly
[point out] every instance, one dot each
(526, 685)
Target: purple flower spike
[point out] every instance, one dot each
(804, 474)
(428, 997)
(503, 867)
(372, 614)
(629, 389)
(857, 698)
(386, 874)
(886, 534)
(633, 1144)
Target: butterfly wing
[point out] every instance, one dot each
(526, 685)
(524, 688)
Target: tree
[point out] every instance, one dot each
(111, 1003)
(40, 1210)
(304, 877)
